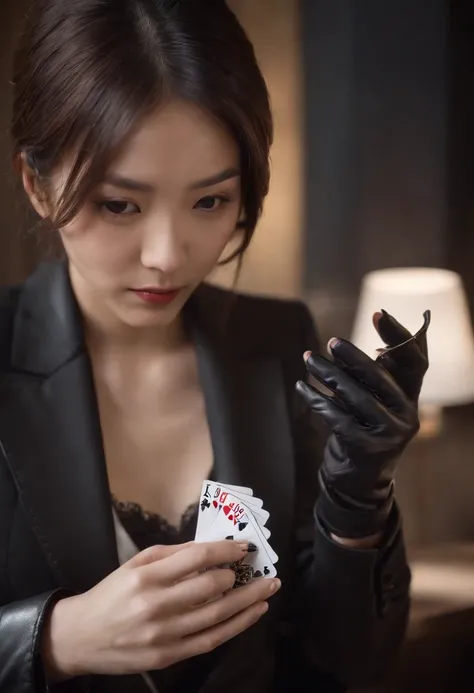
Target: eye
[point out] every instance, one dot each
(211, 203)
(118, 208)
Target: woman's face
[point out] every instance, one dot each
(160, 220)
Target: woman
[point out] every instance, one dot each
(142, 131)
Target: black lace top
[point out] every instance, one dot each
(146, 529)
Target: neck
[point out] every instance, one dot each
(106, 332)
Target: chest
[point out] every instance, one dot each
(156, 437)
(51, 425)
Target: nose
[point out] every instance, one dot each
(164, 247)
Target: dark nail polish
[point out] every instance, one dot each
(252, 548)
(387, 315)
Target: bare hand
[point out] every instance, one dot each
(155, 610)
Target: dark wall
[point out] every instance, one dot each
(390, 181)
(376, 140)
(461, 142)
(17, 246)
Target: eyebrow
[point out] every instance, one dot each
(119, 181)
(227, 174)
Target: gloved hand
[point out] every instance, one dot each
(373, 414)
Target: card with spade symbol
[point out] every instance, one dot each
(213, 497)
(226, 501)
(232, 512)
(235, 522)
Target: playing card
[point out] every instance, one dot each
(232, 512)
(233, 518)
(214, 496)
(249, 499)
(217, 489)
(239, 489)
(239, 524)
(255, 505)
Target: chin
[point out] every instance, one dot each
(159, 318)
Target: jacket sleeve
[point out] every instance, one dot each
(20, 627)
(352, 607)
(21, 668)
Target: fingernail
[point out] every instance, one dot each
(243, 545)
(263, 608)
(251, 547)
(306, 355)
(275, 586)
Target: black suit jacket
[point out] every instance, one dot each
(339, 611)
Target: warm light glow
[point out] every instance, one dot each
(406, 293)
(448, 584)
(408, 281)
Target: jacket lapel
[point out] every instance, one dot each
(50, 431)
(49, 428)
(246, 409)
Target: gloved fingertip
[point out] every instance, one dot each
(332, 344)
(302, 388)
(376, 317)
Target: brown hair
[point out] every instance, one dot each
(86, 71)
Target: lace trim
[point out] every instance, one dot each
(133, 510)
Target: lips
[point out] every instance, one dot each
(156, 296)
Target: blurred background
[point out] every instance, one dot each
(373, 168)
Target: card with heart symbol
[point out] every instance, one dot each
(213, 497)
(226, 512)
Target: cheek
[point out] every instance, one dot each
(93, 244)
(210, 243)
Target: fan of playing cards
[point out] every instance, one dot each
(233, 512)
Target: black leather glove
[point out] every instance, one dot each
(373, 414)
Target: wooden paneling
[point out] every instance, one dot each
(273, 262)
(376, 129)
(15, 247)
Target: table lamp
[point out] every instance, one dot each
(406, 293)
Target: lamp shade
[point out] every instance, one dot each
(406, 293)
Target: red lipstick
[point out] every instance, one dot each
(160, 297)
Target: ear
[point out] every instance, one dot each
(31, 185)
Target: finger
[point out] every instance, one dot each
(390, 330)
(196, 558)
(199, 589)
(208, 640)
(408, 362)
(359, 435)
(404, 346)
(371, 374)
(220, 610)
(153, 554)
(421, 335)
(354, 391)
(340, 421)
(408, 376)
